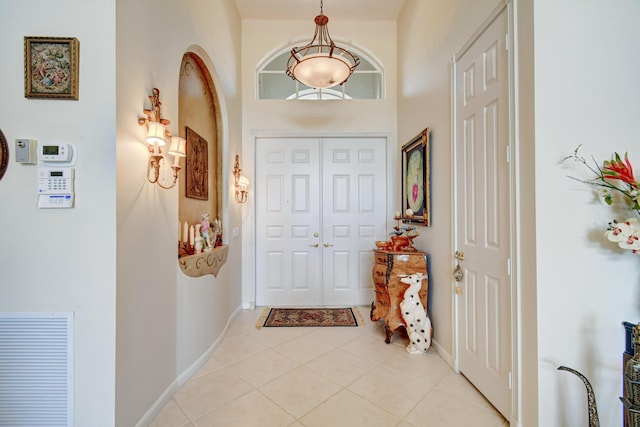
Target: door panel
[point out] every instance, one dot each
(354, 206)
(483, 214)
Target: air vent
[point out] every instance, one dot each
(36, 369)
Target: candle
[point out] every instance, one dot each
(185, 233)
(192, 235)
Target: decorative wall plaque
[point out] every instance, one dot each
(197, 166)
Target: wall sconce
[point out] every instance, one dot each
(242, 182)
(157, 137)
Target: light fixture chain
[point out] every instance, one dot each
(321, 13)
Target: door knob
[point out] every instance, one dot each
(326, 245)
(458, 274)
(315, 245)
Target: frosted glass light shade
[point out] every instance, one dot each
(156, 134)
(178, 146)
(321, 71)
(243, 183)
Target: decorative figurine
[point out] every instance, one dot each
(594, 420)
(199, 244)
(217, 232)
(401, 237)
(415, 316)
(205, 231)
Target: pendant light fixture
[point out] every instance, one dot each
(321, 64)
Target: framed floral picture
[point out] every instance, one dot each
(51, 67)
(197, 166)
(416, 185)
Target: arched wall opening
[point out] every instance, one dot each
(199, 121)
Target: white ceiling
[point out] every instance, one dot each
(343, 10)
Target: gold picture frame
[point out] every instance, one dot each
(51, 67)
(416, 179)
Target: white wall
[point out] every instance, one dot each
(167, 321)
(586, 83)
(64, 260)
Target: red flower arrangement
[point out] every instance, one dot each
(616, 176)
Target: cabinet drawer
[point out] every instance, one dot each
(382, 299)
(410, 262)
(381, 258)
(379, 272)
(381, 287)
(380, 281)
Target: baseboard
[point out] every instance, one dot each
(448, 358)
(181, 379)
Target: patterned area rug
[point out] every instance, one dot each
(310, 317)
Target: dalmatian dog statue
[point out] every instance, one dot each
(415, 315)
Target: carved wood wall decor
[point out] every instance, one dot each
(197, 166)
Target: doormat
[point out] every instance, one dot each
(309, 317)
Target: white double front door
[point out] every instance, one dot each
(320, 207)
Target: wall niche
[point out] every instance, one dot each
(200, 190)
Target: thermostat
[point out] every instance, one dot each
(55, 152)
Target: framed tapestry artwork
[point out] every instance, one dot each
(51, 67)
(197, 166)
(4, 154)
(416, 180)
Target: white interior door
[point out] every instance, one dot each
(482, 226)
(320, 206)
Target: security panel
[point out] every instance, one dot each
(55, 187)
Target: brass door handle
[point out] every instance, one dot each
(315, 245)
(326, 245)
(458, 274)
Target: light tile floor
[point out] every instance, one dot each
(320, 377)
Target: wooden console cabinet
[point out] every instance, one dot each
(388, 268)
